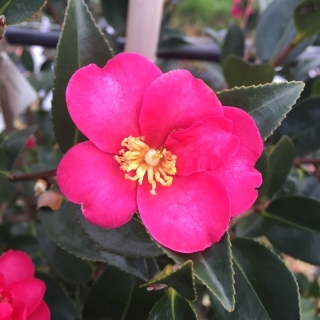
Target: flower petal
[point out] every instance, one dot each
(93, 178)
(239, 175)
(16, 265)
(205, 145)
(5, 311)
(105, 103)
(28, 291)
(189, 216)
(42, 312)
(175, 100)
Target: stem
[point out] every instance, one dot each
(287, 50)
(33, 176)
(54, 13)
(299, 161)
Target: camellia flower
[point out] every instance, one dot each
(237, 10)
(160, 144)
(21, 295)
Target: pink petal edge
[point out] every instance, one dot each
(174, 101)
(189, 216)
(207, 144)
(93, 178)
(16, 265)
(42, 312)
(239, 176)
(105, 103)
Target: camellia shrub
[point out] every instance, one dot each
(148, 193)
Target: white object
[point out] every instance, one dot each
(143, 27)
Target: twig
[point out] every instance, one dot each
(287, 50)
(54, 13)
(299, 161)
(33, 176)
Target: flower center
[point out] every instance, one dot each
(159, 165)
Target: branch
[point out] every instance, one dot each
(54, 13)
(33, 176)
(315, 162)
(287, 50)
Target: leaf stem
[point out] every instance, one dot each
(287, 50)
(33, 176)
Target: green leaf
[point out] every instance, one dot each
(81, 43)
(260, 280)
(281, 159)
(276, 30)
(180, 279)
(17, 11)
(302, 125)
(172, 307)
(116, 295)
(315, 89)
(249, 226)
(240, 73)
(116, 11)
(6, 187)
(67, 266)
(66, 232)
(233, 43)
(307, 18)
(304, 66)
(15, 142)
(60, 305)
(129, 240)
(263, 166)
(42, 80)
(213, 267)
(268, 104)
(292, 225)
(27, 60)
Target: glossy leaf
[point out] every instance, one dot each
(281, 159)
(6, 187)
(302, 125)
(276, 30)
(263, 166)
(240, 73)
(67, 266)
(80, 44)
(307, 18)
(233, 43)
(180, 279)
(260, 280)
(67, 233)
(129, 240)
(116, 295)
(15, 142)
(268, 104)
(315, 90)
(249, 226)
(213, 267)
(17, 11)
(292, 225)
(60, 305)
(172, 307)
(304, 66)
(27, 60)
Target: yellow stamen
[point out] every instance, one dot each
(159, 165)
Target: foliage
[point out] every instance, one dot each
(94, 273)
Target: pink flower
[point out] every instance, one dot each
(21, 295)
(238, 10)
(31, 142)
(160, 144)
